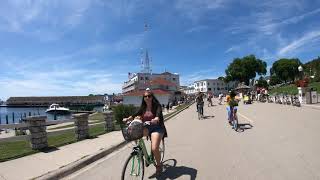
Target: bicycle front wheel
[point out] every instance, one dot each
(133, 168)
(162, 149)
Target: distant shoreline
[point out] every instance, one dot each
(20, 106)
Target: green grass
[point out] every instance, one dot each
(17, 149)
(13, 150)
(175, 112)
(96, 117)
(292, 88)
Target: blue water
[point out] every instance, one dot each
(26, 111)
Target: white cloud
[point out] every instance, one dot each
(200, 75)
(61, 82)
(51, 18)
(233, 49)
(196, 9)
(308, 39)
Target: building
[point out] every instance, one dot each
(141, 81)
(61, 100)
(215, 86)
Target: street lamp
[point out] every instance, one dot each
(300, 88)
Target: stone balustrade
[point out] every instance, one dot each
(108, 117)
(38, 134)
(81, 126)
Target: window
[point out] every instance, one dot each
(209, 89)
(147, 78)
(218, 88)
(173, 79)
(141, 78)
(208, 84)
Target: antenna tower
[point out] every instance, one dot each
(145, 59)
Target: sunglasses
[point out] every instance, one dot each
(149, 96)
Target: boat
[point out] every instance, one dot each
(55, 108)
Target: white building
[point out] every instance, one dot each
(141, 81)
(215, 86)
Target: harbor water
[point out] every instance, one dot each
(14, 114)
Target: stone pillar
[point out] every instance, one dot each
(81, 126)
(38, 134)
(108, 117)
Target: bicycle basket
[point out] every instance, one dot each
(134, 131)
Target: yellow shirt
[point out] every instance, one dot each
(228, 98)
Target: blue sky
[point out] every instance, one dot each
(78, 47)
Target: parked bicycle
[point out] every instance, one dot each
(139, 158)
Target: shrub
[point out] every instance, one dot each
(122, 111)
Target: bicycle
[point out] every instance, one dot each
(200, 111)
(139, 157)
(234, 118)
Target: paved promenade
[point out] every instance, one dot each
(276, 142)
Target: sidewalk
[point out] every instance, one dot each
(35, 165)
(66, 158)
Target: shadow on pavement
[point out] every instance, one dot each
(244, 126)
(49, 149)
(172, 171)
(207, 117)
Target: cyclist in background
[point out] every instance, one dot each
(231, 101)
(220, 98)
(209, 99)
(200, 102)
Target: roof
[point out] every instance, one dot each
(208, 80)
(161, 81)
(166, 73)
(141, 92)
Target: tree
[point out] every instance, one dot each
(246, 68)
(312, 68)
(274, 80)
(222, 78)
(285, 69)
(262, 83)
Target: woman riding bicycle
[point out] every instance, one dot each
(151, 110)
(231, 102)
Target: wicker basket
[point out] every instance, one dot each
(133, 131)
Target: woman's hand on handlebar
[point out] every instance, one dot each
(155, 121)
(127, 119)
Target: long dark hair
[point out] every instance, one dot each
(154, 103)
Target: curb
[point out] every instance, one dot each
(77, 165)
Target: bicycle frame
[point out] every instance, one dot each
(141, 150)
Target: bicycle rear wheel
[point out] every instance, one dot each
(235, 122)
(133, 167)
